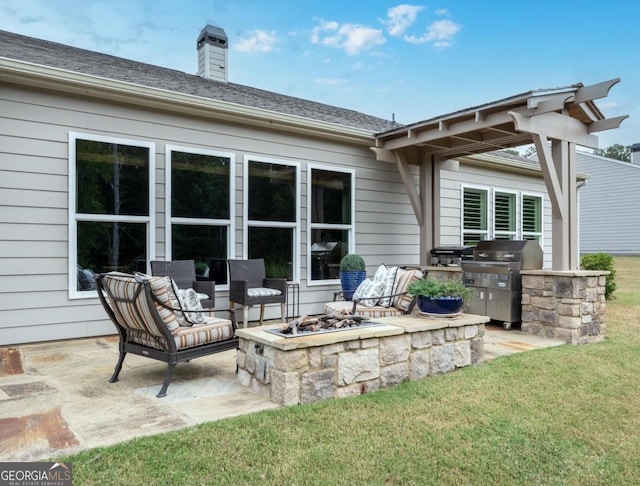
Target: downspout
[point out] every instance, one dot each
(579, 185)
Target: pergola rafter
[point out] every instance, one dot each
(554, 120)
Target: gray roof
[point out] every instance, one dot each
(37, 51)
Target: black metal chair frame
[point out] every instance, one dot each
(170, 355)
(247, 274)
(183, 273)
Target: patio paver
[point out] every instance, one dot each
(55, 397)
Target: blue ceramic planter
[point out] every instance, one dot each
(350, 281)
(442, 305)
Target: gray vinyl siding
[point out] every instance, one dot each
(609, 206)
(34, 128)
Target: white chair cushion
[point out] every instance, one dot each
(262, 292)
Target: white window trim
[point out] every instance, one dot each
(169, 220)
(542, 206)
(74, 217)
(489, 199)
(518, 209)
(351, 228)
(271, 224)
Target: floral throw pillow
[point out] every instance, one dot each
(368, 292)
(191, 304)
(388, 276)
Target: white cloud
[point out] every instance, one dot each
(259, 41)
(440, 32)
(400, 18)
(330, 82)
(352, 38)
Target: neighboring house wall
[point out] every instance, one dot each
(609, 202)
(35, 304)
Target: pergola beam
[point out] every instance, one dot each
(557, 127)
(608, 124)
(595, 91)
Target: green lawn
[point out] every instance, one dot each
(558, 416)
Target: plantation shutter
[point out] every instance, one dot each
(504, 216)
(531, 217)
(474, 216)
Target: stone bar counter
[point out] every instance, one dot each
(314, 367)
(566, 305)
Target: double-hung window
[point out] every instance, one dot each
(111, 207)
(475, 216)
(199, 208)
(331, 220)
(272, 217)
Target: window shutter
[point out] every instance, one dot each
(531, 214)
(531, 217)
(504, 215)
(474, 215)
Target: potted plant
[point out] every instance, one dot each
(443, 297)
(352, 273)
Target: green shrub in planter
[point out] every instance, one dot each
(352, 273)
(436, 288)
(601, 261)
(352, 263)
(435, 296)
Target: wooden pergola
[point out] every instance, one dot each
(555, 120)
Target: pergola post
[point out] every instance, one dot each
(565, 245)
(430, 199)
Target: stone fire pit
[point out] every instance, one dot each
(314, 366)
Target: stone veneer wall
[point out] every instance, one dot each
(357, 366)
(444, 273)
(567, 305)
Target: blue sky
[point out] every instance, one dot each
(411, 61)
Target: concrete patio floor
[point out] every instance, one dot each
(55, 397)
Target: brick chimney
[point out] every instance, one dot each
(212, 53)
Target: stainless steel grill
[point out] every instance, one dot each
(450, 256)
(494, 274)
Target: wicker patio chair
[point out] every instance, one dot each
(183, 273)
(248, 286)
(151, 322)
